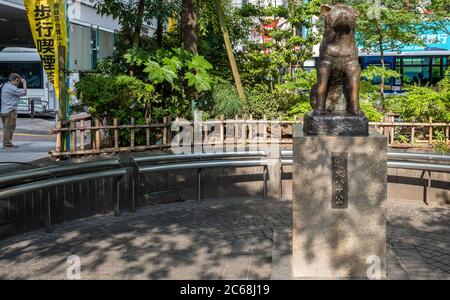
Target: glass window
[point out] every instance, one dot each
(416, 61)
(436, 61)
(31, 71)
(416, 75)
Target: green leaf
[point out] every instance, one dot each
(201, 82)
(199, 63)
(158, 74)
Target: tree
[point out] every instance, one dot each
(189, 26)
(132, 15)
(162, 10)
(387, 27)
(437, 13)
(292, 36)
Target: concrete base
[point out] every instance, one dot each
(339, 241)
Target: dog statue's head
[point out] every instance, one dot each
(339, 17)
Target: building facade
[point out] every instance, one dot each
(91, 36)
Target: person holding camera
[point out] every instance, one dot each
(10, 95)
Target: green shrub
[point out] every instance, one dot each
(226, 101)
(263, 103)
(440, 145)
(122, 97)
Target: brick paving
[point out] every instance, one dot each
(217, 239)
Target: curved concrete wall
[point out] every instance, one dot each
(26, 212)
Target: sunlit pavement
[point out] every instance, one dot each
(236, 238)
(32, 138)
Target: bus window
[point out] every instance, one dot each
(31, 71)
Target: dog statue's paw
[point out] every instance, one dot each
(357, 112)
(319, 112)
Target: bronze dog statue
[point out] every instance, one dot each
(338, 71)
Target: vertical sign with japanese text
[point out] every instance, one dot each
(47, 19)
(339, 180)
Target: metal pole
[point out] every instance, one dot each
(429, 186)
(281, 177)
(265, 183)
(32, 107)
(48, 217)
(199, 185)
(116, 198)
(133, 195)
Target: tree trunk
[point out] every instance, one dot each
(380, 43)
(159, 31)
(137, 28)
(226, 38)
(189, 37)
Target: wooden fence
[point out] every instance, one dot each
(105, 138)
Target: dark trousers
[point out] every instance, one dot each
(9, 125)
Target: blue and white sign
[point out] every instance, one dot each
(434, 41)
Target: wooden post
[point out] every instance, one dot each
(264, 128)
(82, 135)
(133, 132)
(147, 131)
(392, 132)
(116, 133)
(413, 129)
(97, 134)
(430, 132)
(169, 129)
(447, 132)
(73, 137)
(244, 131)
(165, 130)
(281, 131)
(222, 129)
(58, 136)
(236, 128)
(250, 129)
(229, 48)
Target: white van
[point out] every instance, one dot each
(27, 63)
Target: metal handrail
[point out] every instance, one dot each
(43, 184)
(418, 156)
(198, 156)
(418, 166)
(400, 165)
(200, 165)
(49, 183)
(55, 171)
(203, 165)
(398, 155)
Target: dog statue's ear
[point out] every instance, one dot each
(325, 9)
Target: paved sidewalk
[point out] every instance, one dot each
(32, 138)
(217, 239)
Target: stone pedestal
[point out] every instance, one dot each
(339, 218)
(336, 123)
